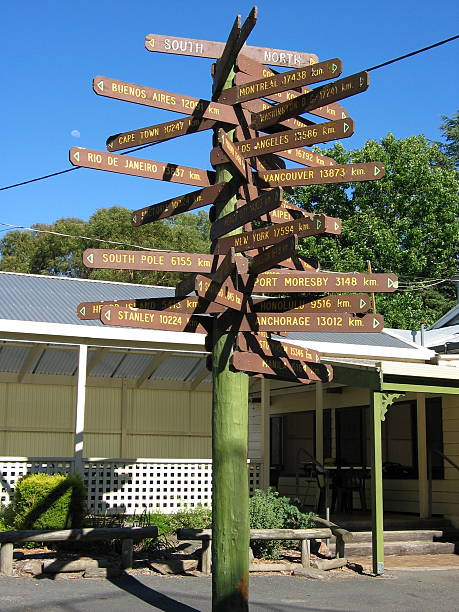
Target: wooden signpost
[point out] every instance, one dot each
(245, 188)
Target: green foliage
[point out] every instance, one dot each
(268, 510)
(44, 253)
(406, 223)
(196, 518)
(44, 501)
(450, 131)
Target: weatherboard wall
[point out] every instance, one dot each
(38, 420)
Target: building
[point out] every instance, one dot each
(131, 408)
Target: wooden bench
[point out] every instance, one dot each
(304, 535)
(127, 535)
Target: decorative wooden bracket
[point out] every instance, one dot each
(387, 400)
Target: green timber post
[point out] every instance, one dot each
(377, 517)
(230, 488)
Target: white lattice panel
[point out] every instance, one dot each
(11, 470)
(130, 486)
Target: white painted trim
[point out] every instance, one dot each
(80, 409)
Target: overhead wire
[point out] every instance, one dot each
(392, 61)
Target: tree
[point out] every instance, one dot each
(406, 223)
(45, 253)
(450, 131)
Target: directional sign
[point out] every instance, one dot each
(257, 106)
(319, 282)
(154, 319)
(343, 88)
(158, 132)
(346, 173)
(302, 322)
(181, 204)
(136, 166)
(328, 303)
(250, 211)
(236, 40)
(212, 49)
(233, 154)
(167, 261)
(316, 224)
(257, 343)
(307, 158)
(252, 69)
(281, 367)
(147, 96)
(221, 293)
(231, 263)
(290, 139)
(284, 81)
(192, 305)
(274, 255)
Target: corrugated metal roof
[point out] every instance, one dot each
(175, 368)
(360, 338)
(12, 358)
(57, 362)
(54, 299)
(29, 297)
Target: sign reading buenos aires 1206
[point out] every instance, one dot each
(157, 98)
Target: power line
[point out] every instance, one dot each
(397, 59)
(40, 231)
(392, 61)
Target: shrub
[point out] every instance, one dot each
(45, 501)
(268, 510)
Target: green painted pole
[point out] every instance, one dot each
(377, 517)
(230, 489)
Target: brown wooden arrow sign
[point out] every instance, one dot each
(302, 322)
(331, 92)
(192, 305)
(267, 86)
(157, 98)
(229, 148)
(145, 168)
(316, 224)
(319, 282)
(357, 303)
(281, 367)
(252, 69)
(269, 347)
(167, 261)
(178, 45)
(181, 204)
(158, 133)
(291, 139)
(274, 255)
(153, 319)
(346, 173)
(254, 209)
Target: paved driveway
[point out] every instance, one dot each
(397, 591)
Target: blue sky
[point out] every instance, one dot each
(52, 50)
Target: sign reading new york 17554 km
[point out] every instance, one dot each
(258, 117)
